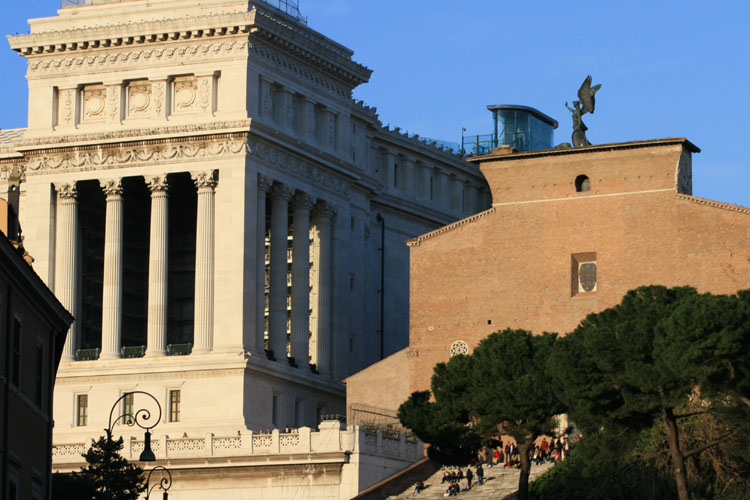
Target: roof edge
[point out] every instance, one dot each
(414, 242)
(668, 141)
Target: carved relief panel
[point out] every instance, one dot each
(66, 110)
(139, 96)
(185, 97)
(93, 103)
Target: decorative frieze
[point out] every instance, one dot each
(128, 59)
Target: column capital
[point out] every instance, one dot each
(204, 179)
(111, 187)
(281, 192)
(157, 183)
(303, 200)
(264, 183)
(67, 191)
(324, 210)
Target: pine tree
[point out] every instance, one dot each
(644, 359)
(501, 389)
(110, 474)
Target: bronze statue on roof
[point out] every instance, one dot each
(584, 104)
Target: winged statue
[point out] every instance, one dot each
(584, 104)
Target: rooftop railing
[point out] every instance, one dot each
(290, 7)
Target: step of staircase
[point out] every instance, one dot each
(498, 482)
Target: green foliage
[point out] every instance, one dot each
(71, 487)
(501, 388)
(110, 474)
(647, 359)
(603, 467)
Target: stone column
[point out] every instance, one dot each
(264, 186)
(301, 279)
(112, 293)
(205, 181)
(157, 267)
(66, 272)
(278, 293)
(323, 215)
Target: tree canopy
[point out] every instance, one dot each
(501, 389)
(647, 357)
(107, 475)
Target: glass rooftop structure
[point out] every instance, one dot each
(522, 127)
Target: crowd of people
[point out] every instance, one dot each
(454, 477)
(506, 455)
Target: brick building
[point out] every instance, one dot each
(568, 233)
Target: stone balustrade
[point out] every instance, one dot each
(330, 438)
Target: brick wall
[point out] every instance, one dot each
(515, 265)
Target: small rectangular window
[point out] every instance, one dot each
(127, 408)
(39, 380)
(16, 370)
(297, 413)
(82, 410)
(174, 406)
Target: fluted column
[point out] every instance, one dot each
(264, 186)
(66, 272)
(112, 293)
(157, 267)
(301, 279)
(204, 262)
(278, 293)
(323, 215)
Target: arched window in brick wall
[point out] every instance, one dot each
(583, 183)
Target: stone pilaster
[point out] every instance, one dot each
(157, 267)
(287, 110)
(264, 186)
(112, 293)
(205, 182)
(301, 279)
(114, 103)
(277, 309)
(323, 215)
(310, 128)
(66, 269)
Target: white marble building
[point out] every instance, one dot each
(200, 190)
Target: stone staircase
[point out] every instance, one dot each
(498, 483)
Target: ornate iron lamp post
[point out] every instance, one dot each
(164, 483)
(140, 418)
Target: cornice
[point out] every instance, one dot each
(140, 33)
(712, 203)
(311, 47)
(450, 227)
(85, 44)
(279, 60)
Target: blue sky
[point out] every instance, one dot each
(667, 69)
